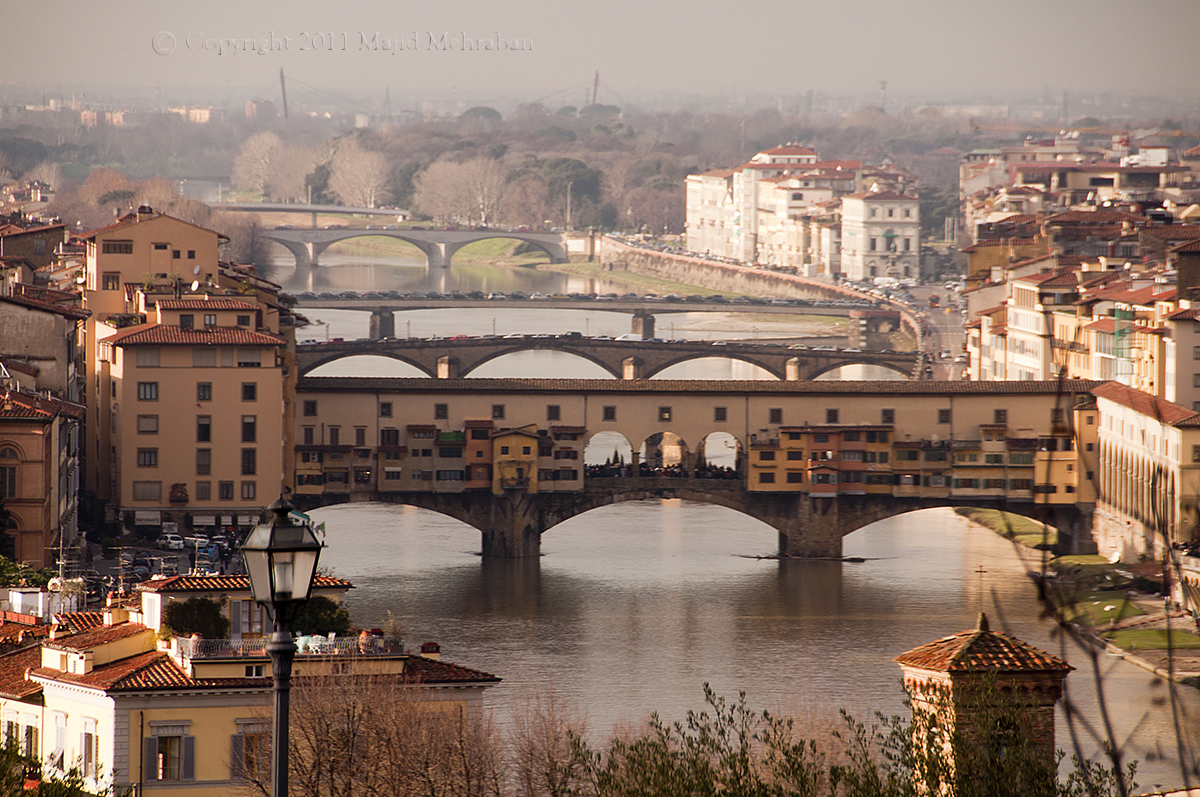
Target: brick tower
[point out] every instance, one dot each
(990, 689)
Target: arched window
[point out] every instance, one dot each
(8, 452)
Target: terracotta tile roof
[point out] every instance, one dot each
(20, 367)
(790, 149)
(1165, 411)
(80, 621)
(65, 310)
(981, 650)
(1001, 242)
(214, 303)
(14, 632)
(224, 584)
(24, 406)
(1094, 217)
(1187, 248)
(171, 335)
(1108, 325)
(721, 173)
(25, 231)
(98, 636)
(430, 671)
(1189, 314)
(13, 667)
(884, 196)
(1174, 232)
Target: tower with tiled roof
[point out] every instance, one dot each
(961, 683)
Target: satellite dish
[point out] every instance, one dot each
(195, 284)
(196, 270)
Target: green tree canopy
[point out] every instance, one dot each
(321, 615)
(196, 616)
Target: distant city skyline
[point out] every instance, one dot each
(925, 50)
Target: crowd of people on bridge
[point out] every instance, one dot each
(648, 471)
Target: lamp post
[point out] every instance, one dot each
(281, 559)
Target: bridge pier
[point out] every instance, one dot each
(631, 368)
(643, 324)
(447, 367)
(383, 324)
(513, 529)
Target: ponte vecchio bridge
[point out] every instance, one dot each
(814, 460)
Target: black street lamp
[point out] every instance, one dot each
(281, 559)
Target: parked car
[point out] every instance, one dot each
(169, 542)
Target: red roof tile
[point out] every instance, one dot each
(883, 196)
(1187, 248)
(1094, 217)
(171, 335)
(981, 650)
(224, 584)
(80, 621)
(98, 636)
(1167, 412)
(214, 303)
(13, 667)
(430, 671)
(58, 308)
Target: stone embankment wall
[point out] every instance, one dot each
(617, 256)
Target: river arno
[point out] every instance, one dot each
(632, 608)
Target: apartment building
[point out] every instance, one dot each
(759, 211)
(197, 412)
(39, 473)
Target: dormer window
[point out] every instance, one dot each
(210, 319)
(187, 321)
(243, 321)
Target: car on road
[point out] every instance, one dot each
(798, 346)
(852, 349)
(825, 347)
(196, 541)
(961, 359)
(169, 542)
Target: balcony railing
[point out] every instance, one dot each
(305, 646)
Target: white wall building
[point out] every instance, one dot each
(881, 235)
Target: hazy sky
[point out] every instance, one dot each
(641, 47)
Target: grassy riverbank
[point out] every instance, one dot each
(1010, 526)
(639, 283)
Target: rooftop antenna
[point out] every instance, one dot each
(882, 94)
(596, 87)
(283, 91)
(980, 571)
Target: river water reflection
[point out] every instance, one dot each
(633, 607)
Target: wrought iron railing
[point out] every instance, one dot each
(305, 646)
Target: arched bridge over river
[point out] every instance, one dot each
(439, 246)
(623, 359)
(815, 460)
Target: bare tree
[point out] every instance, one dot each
(440, 191)
(379, 735)
(483, 179)
(525, 202)
(540, 747)
(290, 165)
(158, 192)
(252, 166)
(358, 176)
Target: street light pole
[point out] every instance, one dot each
(281, 560)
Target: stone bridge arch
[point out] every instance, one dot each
(511, 524)
(527, 344)
(438, 246)
(684, 357)
(311, 365)
(829, 367)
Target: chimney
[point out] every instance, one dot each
(431, 650)
(145, 212)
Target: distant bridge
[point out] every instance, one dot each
(623, 359)
(312, 210)
(439, 246)
(864, 321)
